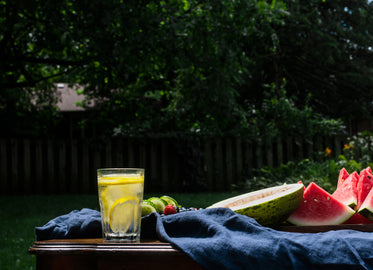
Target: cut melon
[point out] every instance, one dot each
(364, 186)
(269, 206)
(346, 192)
(343, 174)
(366, 208)
(367, 170)
(358, 219)
(318, 207)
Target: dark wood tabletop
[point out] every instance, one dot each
(147, 254)
(100, 254)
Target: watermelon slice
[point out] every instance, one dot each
(346, 192)
(358, 219)
(364, 185)
(366, 208)
(320, 208)
(343, 174)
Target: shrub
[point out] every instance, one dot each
(357, 155)
(323, 173)
(357, 152)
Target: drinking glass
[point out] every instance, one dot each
(120, 193)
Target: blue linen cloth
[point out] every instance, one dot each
(222, 239)
(85, 223)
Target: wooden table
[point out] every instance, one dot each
(150, 255)
(99, 254)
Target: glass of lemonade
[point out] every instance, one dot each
(120, 193)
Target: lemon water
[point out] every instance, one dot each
(120, 197)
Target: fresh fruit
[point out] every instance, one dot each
(366, 208)
(147, 208)
(269, 206)
(158, 203)
(366, 170)
(121, 213)
(169, 210)
(358, 219)
(346, 192)
(170, 200)
(318, 207)
(364, 186)
(343, 174)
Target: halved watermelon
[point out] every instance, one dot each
(364, 185)
(343, 174)
(320, 208)
(346, 192)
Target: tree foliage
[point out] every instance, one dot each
(325, 49)
(187, 65)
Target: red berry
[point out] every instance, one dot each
(169, 210)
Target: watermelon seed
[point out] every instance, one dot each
(315, 200)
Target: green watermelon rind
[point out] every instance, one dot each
(271, 210)
(366, 212)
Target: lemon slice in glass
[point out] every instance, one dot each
(122, 214)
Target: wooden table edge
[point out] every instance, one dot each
(93, 245)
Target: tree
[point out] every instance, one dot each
(325, 49)
(184, 66)
(149, 64)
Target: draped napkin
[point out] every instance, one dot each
(222, 239)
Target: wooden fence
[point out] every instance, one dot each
(40, 166)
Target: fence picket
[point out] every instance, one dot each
(229, 163)
(238, 161)
(85, 167)
(153, 177)
(62, 170)
(39, 187)
(14, 168)
(259, 154)
(208, 168)
(219, 168)
(280, 151)
(268, 152)
(249, 156)
(3, 167)
(164, 168)
(51, 185)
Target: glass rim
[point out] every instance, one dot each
(120, 169)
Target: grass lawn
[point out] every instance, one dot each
(19, 215)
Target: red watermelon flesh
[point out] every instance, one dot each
(364, 185)
(356, 176)
(367, 170)
(343, 174)
(320, 208)
(346, 192)
(358, 219)
(366, 208)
